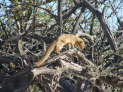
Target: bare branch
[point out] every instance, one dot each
(103, 24)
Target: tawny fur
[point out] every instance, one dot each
(65, 39)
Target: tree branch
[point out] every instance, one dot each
(105, 27)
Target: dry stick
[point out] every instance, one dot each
(91, 33)
(103, 24)
(20, 47)
(60, 22)
(75, 27)
(92, 25)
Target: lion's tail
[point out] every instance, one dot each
(47, 54)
